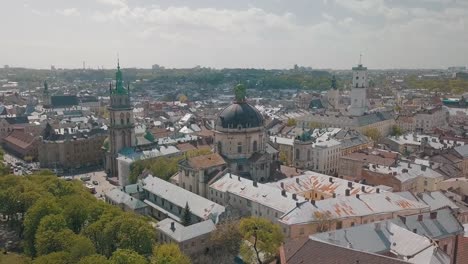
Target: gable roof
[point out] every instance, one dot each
(59, 101)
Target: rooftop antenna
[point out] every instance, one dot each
(118, 61)
(360, 59)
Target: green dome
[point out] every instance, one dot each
(105, 144)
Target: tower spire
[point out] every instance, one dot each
(360, 59)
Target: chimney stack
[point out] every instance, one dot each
(357, 195)
(420, 218)
(347, 192)
(172, 226)
(283, 193)
(363, 188)
(255, 183)
(297, 180)
(282, 185)
(423, 167)
(312, 202)
(331, 179)
(238, 178)
(350, 184)
(433, 215)
(378, 190)
(334, 195)
(294, 196)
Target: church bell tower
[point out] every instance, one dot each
(121, 126)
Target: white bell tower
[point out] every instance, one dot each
(359, 90)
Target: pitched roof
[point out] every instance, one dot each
(59, 101)
(350, 206)
(17, 120)
(182, 233)
(206, 161)
(199, 206)
(20, 139)
(120, 197)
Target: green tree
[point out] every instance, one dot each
(79, 247)
(373, 133)
(168, 254)
(126, 256)
(45, 206)
(186, 215)
(54, 258)
(94, 259)
(76, 212)
(226, 241)
(264, 239)
(291, 122)
(396, 131)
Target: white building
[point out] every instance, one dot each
(359, 91)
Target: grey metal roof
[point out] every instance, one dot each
(462, 150)
(120, 197)
(199, 206)
(387, 237)
(182, 233)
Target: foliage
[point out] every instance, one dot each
(291, 122)
(53, 258)
(283, 157)
(126, 256)
(314, 125)
(162, 167)
(186, 215)
(64, 223)
(372, 133)
(169, 254)
(324, 221)
(443, 85)
(264, 239)
(13, 258)
(183, 98)
(94, 259)
(226, 241)
(396, 131)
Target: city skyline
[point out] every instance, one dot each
(241, 34)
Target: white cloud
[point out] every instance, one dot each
(118, 3)
(68, 12)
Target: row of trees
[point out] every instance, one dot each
(443, 85)
(61, 222)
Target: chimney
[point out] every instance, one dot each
(363, 188)
(124, 189)
(377, 190)
(334, 195)
(172, 226)
(283, 193)
(312, 202)
(409, 165)
(347, 192)
(255, 183)
(294, 196)
(420, 218)
(282, 185)
(357, 195)
(423, 167)
(350, 184)
(403, 219)
(275, 139)
(238, 178)
(297, 180)
(433, 215)
(230, 176)
(415, 230)
(138, 188)
(331, 179)
(296, 170)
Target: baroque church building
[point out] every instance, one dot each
(241, 139)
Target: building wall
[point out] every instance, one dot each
(307, 229)
(240, 144)
(462, 249)
(427, 121)
(189, 247)
(68, 154)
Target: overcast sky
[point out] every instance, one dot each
(234, 33)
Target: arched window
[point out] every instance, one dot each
(298, 154)
(220, 147)
(254, 146)
(122, 116)
(239, 147)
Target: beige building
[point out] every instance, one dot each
(351, 165)
(429, 119)
(382, 121)
(71, 151)
(195, 172)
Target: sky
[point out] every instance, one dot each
(234, 33)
